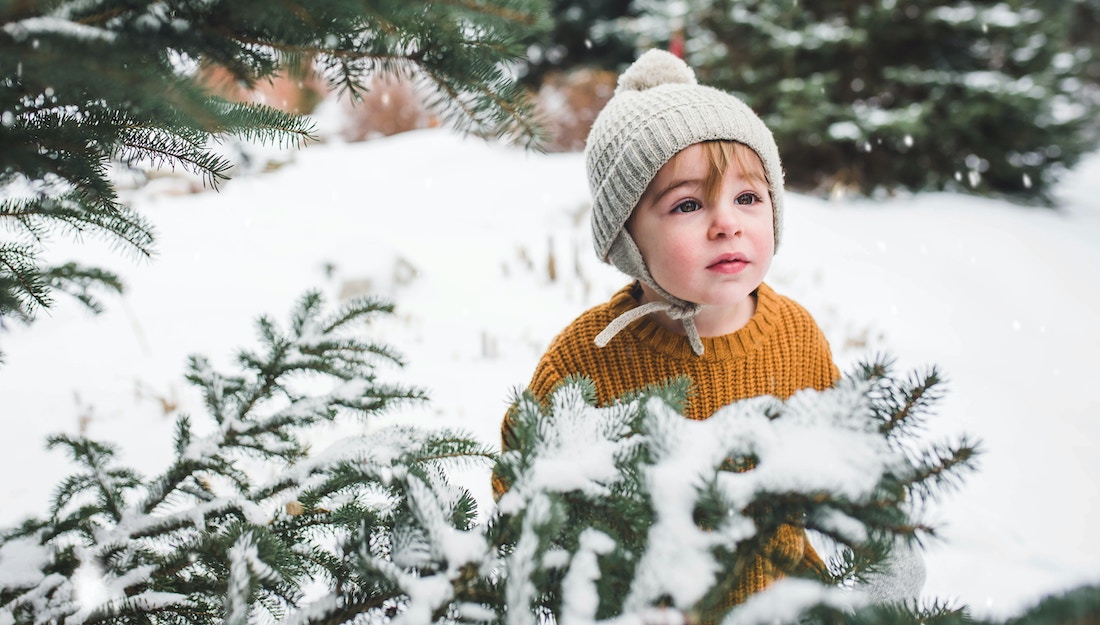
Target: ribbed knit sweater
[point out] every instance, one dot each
(779, 351)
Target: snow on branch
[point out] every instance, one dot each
(625, 514)
(622, 511)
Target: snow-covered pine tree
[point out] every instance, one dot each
(633, 511)
(90, 85)
(628, 514)
(982, 96)
(632, 514)
(245, 521)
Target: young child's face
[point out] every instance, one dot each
(708, 248)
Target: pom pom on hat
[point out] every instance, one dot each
(655, 67)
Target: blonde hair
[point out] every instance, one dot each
(721, 154)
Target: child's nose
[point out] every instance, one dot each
(725, 223)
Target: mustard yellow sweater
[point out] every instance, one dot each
(781, 350)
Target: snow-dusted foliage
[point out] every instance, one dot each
(630, 511)
(207, 541)
(622, 514)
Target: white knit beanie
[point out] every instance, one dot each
(658, 109)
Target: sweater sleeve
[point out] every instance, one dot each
(545, 378)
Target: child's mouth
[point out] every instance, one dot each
(729, 265)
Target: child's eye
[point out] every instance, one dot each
(687, 206)
(747, 198)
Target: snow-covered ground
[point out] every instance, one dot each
(486, 252)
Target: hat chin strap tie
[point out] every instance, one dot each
(685, 314)
(626, 256)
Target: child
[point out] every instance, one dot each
(687, 193)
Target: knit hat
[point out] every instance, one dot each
(658, 109)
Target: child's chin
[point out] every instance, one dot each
(728, 301)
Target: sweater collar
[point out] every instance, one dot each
(648, 331)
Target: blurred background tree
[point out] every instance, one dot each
(583, 34)
(989, 97)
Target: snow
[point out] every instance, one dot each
(21, 560)
(559, 465)
(56, 25)
(810, 450)
(678, 560)
(785, 600)
(486, 253)
(580, 598)
(824, 441)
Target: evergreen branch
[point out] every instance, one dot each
(159, 147)
(22, 283)
(98, 82)
(302, 317)
(355, 310)
(336, 478)
(348, 605)
(908, 401)
(268, 370)
(257, 122)
(218, 390)
(171, 481)
(58, 146)
(19, 213)
(109, 484)
(491, 88)
(452, 95)
(505, 14)
(446, 446)
(81, 520)
(942, 466)
(80, 213)
(147, 607)
(219, 509)
(67, 490)
(183, 434)
(78, 281)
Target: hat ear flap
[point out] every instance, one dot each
(627, 258)
(625, 255)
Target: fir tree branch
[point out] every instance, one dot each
(22, 282)
(78, 281)
(80, 214)
(941, 467)
(506, 14)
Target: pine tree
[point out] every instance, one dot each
(652, 488)
(89, 87)
(627, 513)
(988, 97)
(215, 537)
(583, 34)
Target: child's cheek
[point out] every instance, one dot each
(680, 252)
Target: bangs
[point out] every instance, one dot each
(721, 154)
